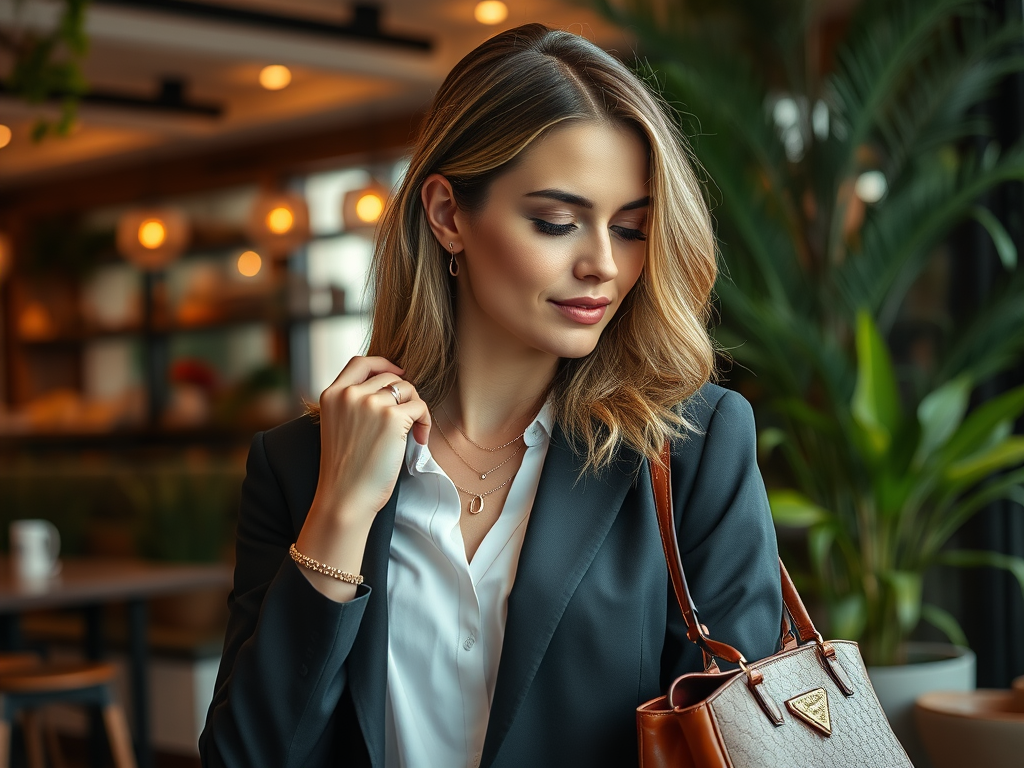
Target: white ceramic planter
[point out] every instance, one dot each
(932, 667)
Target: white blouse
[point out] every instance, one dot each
(446, 615)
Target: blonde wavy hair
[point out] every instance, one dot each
(656, 352)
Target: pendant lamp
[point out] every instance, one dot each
(279, 223)
(361, 209)
(151, 238)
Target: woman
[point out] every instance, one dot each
(542, 282)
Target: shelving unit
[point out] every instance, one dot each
(51, 353)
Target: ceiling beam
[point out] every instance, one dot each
(256, 162)
(364, 27)
(138, 25)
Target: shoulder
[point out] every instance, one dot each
(297, 438)
(720, 437)
(717, 407)
(290, 451)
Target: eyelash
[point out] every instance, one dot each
(547, 228)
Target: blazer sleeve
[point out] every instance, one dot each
(726, 539)
(282, 672)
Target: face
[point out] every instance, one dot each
(560, 241)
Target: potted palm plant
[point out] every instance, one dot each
(836, 182)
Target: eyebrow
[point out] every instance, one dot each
(582, 202)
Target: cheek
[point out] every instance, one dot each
(513, 268)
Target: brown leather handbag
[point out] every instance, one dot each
(809, 705)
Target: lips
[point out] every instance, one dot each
(584, 309)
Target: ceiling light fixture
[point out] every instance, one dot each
(5, 136)
(279, 222)
(274, 77)
(249, 264)
(152, 238)
(490, 12)
(362, 208)
(152, 234)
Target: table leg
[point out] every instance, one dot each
(95, 650)
(138, 654)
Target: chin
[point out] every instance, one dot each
(572, 345)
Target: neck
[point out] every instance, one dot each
(501, 382)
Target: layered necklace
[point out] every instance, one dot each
(476, 503)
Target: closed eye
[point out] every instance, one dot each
(547, 228)
(629, 234)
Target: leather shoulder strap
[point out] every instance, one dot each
(661, 481)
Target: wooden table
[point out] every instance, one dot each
(91, 583)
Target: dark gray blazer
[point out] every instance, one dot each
(592, 630)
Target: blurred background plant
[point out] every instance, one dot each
(180, 509)
(47, 65)
(835, 185)
(184, 510)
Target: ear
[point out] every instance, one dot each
(439, 205)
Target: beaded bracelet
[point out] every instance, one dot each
(315, 565)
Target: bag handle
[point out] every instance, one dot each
(695, 631)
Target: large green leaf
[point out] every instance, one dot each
(848, 616)
(791, 508)
(876, 403)
(1007, 486)
(944, 621)
(978, 427)
(1008, 453)
(1000, 237)
(768, 440)
(969, 558)
(906, 592)
(940, 413)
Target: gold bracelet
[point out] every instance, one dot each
(315, 565)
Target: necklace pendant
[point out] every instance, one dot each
(473, 503)
(483, 476)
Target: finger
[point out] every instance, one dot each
(359, 369)
(417, 411)
(378, 383)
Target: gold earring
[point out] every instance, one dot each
(453, 265)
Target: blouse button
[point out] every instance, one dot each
(469, 643)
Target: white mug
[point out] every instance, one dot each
(35, 545)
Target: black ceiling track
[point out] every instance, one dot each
(364, 27)
(169, 100)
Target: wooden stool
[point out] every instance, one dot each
(74, 683)
(18, 662)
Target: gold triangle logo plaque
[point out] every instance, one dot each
(812, 708)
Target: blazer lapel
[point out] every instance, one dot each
(368, 659)
(567, 526)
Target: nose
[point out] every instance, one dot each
(596, 260)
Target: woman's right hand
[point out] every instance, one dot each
(363, 434)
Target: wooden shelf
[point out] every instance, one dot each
(128, 438)
(87, 335)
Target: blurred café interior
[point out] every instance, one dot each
(183, 258)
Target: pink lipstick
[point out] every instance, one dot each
(585, 309)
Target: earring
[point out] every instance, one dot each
(453, 265)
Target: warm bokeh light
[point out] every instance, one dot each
(369, 207)
(280, 220)
(249, 263)
(5, 136)
(275, 77)
(152, 233)
(491, 12)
